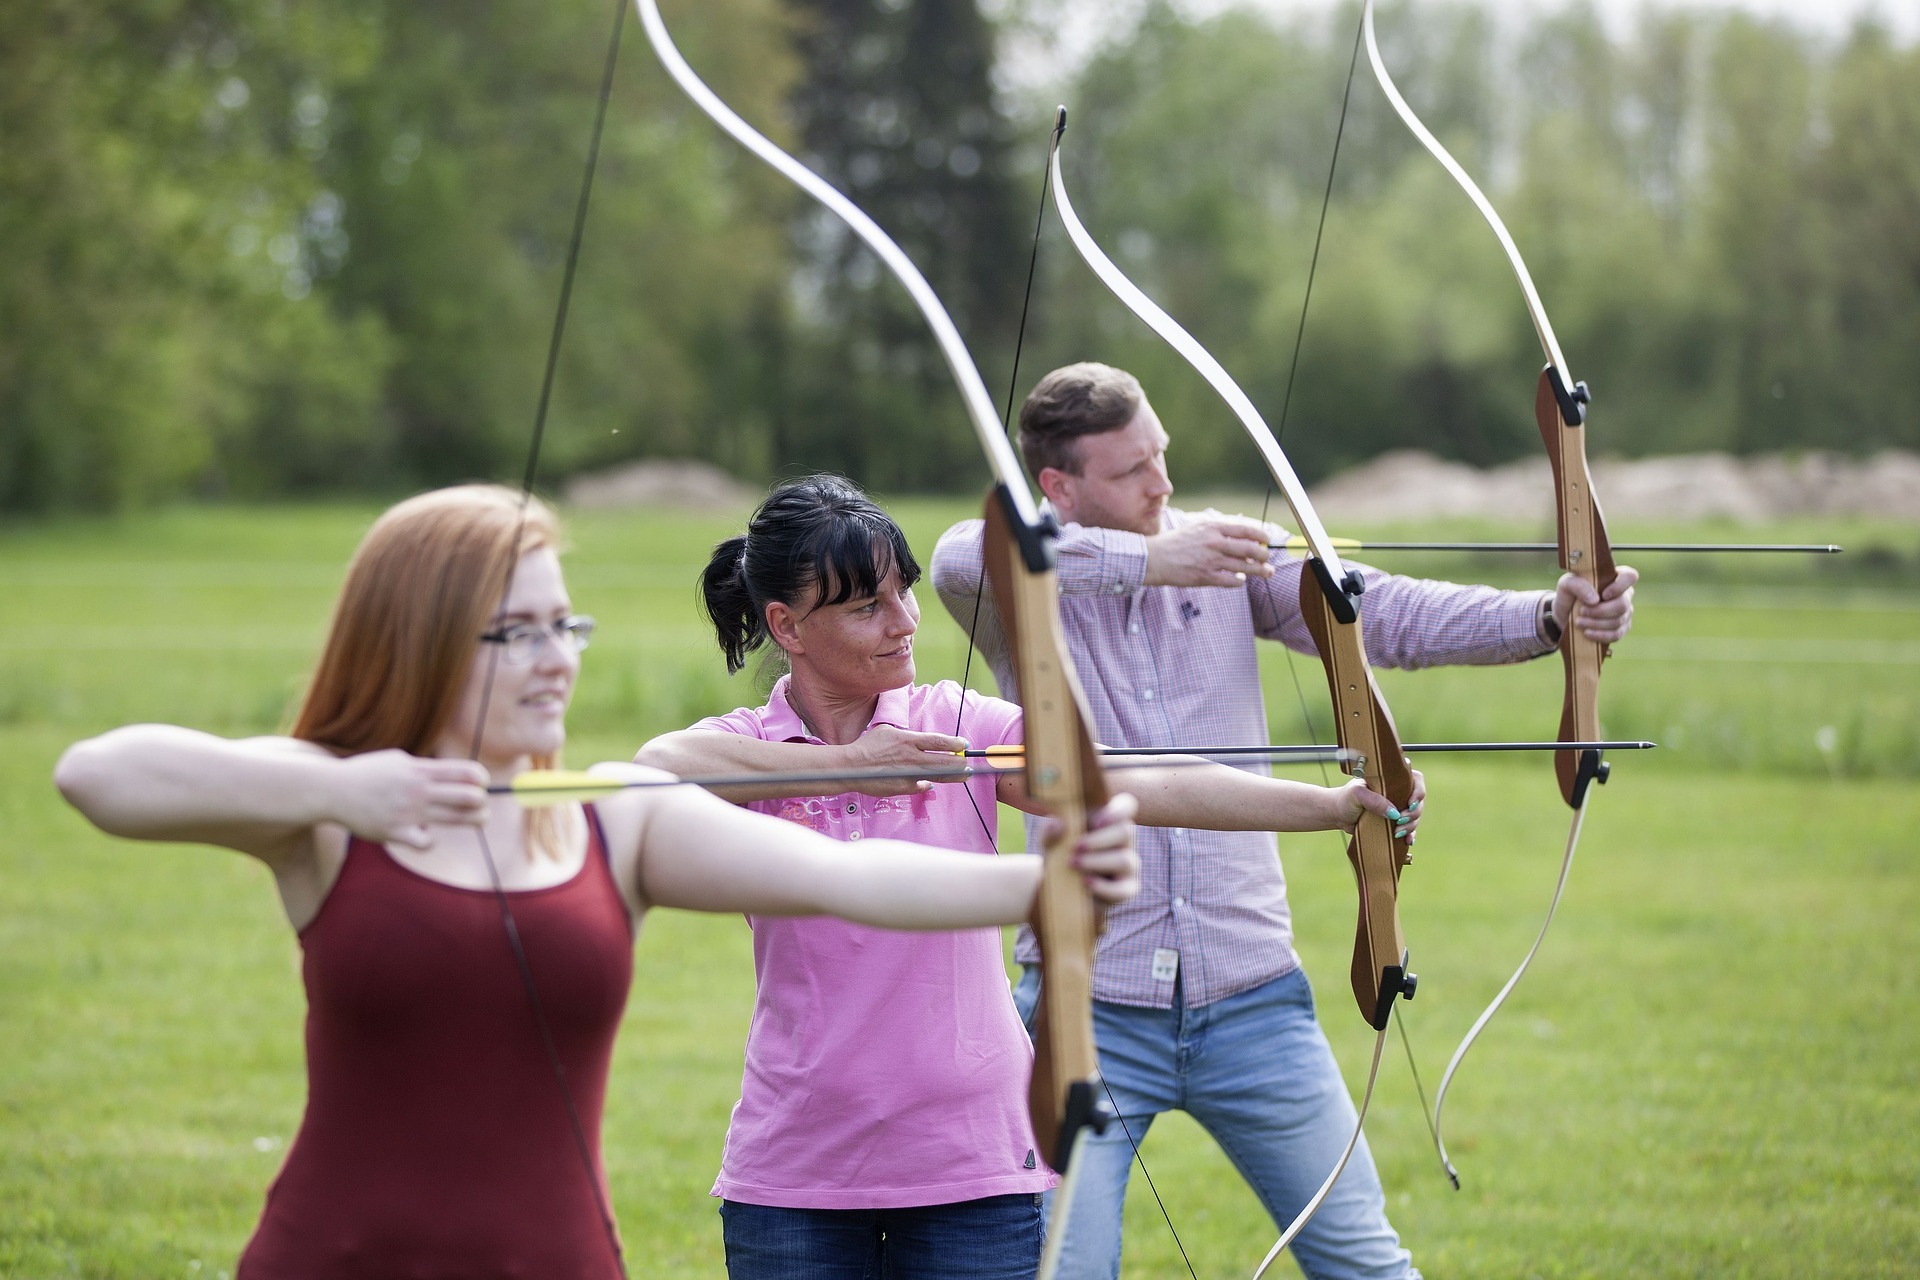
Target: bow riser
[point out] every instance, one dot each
(1586, 553)
(1062, 773)
(1367, 733)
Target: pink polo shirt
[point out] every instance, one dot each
(884, 1069)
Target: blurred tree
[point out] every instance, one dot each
(1867, 176)
(1718, 213)
(158, 218)
(1768, 237)
(263, 250)
(1199, 156)
(463, 158)
(896, 108)
(259, 249)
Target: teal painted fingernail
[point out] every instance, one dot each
(1393, 813)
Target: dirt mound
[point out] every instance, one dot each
(1411, 485)
(661, 482)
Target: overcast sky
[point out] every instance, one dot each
(1830, 16)
(1085, 24)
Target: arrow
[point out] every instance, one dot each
(1714, 548)
(1327, 755)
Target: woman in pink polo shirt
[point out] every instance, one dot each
(882, 1124)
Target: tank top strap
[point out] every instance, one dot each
(599, 836)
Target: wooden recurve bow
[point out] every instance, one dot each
(1066, 1099)
(1330, 594)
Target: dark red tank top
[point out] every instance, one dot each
(436, 1141)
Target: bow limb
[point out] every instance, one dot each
(973, 391)
(1560, 412)
(1345, 582)
(1063, 769)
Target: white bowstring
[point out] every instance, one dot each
(1453, 1064)
(1313, 1206)
(1056, 1241)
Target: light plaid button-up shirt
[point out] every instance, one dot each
(1173, 666)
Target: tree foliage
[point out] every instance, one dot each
(261, 249)
(1722, 217)
(896, 108)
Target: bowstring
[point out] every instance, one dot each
(966, 675)
(1006, 416)
(1266, 505)
(529, 475)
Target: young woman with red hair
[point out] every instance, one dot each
(467, 961)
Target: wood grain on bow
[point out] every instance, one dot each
(1367, 735)
(1062, 768)
(1584, 551)
(1062, 772)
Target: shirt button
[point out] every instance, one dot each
(853, 835)
(1147, 694)
(1134, 628)
(1179, 902)
(853, 806)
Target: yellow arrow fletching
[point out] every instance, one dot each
(542, 788)
(1338, 544)
(1000, 756)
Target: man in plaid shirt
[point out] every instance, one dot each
(1200, 1001)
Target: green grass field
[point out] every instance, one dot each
(1713, 1069)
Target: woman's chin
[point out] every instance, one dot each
(531, 740)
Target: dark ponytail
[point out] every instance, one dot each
(813, 542)
(729, 605)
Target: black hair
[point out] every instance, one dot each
(818, 536)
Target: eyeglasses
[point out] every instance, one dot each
(523, 641)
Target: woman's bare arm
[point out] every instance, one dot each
(699, 853)
(261, 796)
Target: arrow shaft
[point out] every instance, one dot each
(1714, 548)
(1331, 755)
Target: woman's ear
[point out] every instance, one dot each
(783, 625)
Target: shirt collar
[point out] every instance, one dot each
(783, 724)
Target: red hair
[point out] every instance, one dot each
(425, 582)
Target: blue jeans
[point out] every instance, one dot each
(1257, 1073)
(996, 1238)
